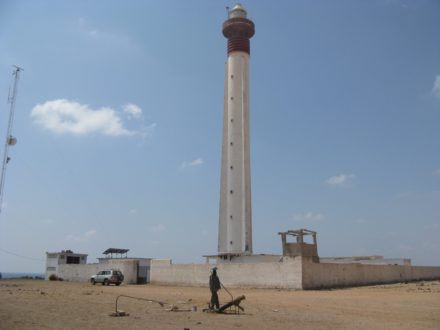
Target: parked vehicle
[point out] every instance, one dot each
(107, 277)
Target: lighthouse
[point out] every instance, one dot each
(235, 216)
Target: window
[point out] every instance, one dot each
(72, 260)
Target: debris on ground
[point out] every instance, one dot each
(234, 303)
(172, 308)
(119, 313)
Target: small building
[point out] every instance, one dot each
(65, 257)
(141, 271)
(299, 247)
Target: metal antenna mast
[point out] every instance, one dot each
(10, 140)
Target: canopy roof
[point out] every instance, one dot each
(114, 250)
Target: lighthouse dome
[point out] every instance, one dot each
(237, 11)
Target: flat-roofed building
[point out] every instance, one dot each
(54, 259)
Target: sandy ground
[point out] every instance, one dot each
(37, 304)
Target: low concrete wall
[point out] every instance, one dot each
(78, 273)
(329, 275)
(285, 275)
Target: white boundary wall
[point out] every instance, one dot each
(283, 275)
(292, 273)
(323, 275)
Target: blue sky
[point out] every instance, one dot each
(119, 122)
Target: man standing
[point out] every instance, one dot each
(214, 286)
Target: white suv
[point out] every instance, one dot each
(106, 277)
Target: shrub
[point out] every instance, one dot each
(53, 277)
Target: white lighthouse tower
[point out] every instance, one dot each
(235, 222)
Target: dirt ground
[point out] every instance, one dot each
(38, 304)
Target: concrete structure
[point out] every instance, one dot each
(235, 218)
(130, 267)
(286, 273)
(300, 247)
(55, 260)
(135, 270)
(298, 268)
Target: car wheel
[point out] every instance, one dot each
(106, 282)
(93, 281)
(118, 283)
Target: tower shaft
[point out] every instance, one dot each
(235, 222)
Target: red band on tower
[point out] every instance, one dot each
(238, 30)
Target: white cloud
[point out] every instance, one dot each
(68, 117)
(308, 216)
(47, 221)
(90, 232)
(195, 162)
(132, 110)
(85, 28)
(436, 87)
(132, 211)
(158, 228)
(82, 237)
(81, 22)
(113, 39)
(404, 194)
(149, 129)
(94, 33)
(405, 248)
(432, 226)
(146, 131)
(436, 172)
(341, 180)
